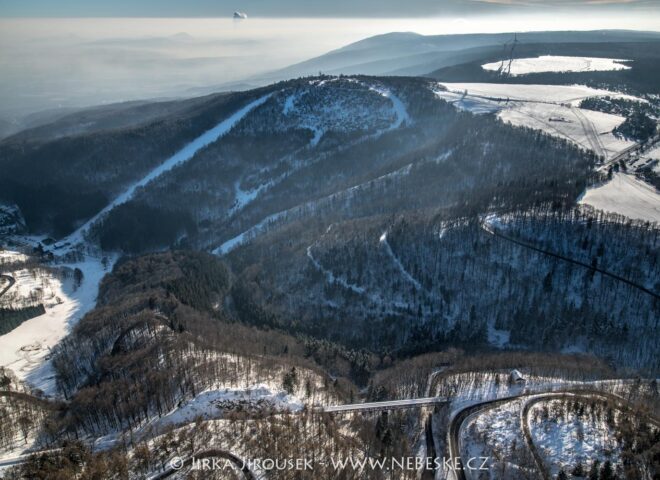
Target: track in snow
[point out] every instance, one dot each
(590, 131)
(383, 241)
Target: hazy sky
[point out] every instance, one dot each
(310, 8)
(191, 47)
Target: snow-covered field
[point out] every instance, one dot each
(550, 108)
(26, 349)
(556, 63)
(625, 195)
(567, 94)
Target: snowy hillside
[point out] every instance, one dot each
(27, 348)
(550, 108)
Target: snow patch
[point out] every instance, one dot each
(625, 195)
(212, 404)
(557, 63)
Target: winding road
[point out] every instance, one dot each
(11, 281)
(459, 419)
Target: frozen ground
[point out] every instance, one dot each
(10, 256)
(625, 195)
(550, 108)
(26, 349)
(552, 63)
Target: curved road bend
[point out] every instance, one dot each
(11, 281)
(524, 413)
(457, 422)
(213, 453)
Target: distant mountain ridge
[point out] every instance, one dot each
(420, 54)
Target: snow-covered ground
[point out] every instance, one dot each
(625, 195)
(590, 129)
(567, 94)
(383, 241)
(495, 433)
(212, 404)
(10, 256)
(650, 158)
(183, 155)
(565, 439)
(550, 108)
(556, 63)
(26, 349)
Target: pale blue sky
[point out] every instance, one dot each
(307, 8)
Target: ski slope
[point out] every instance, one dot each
(182, 156)
(625, 195)
(557, 63)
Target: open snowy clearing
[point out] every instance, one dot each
(625, 195)
(9, 256)
(589, 129)
(26, 349)
(550, 108)
(556, 63)
(569, 94)
(213, 404)
(565, 439)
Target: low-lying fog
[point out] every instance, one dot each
(62, 63)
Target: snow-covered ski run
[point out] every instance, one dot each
(180, 157)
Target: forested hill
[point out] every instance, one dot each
(388, 142)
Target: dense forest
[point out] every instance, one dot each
(273, 168)
(81, 172)
(426, 281)
(160, 335)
